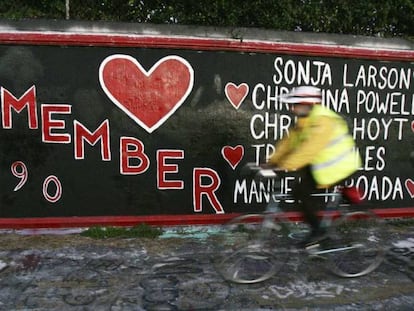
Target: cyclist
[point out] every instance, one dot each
(319, 148)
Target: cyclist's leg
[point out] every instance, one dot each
(308, 204)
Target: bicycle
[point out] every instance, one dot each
(254, 247)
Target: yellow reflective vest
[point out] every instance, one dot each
(321, 140)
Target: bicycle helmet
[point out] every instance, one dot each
(307, 95)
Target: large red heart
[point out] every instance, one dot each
(233, 155)
(149, 98)
(236, 93)
(409, 184)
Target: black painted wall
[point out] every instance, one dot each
(207, 112)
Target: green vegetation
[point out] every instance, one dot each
(387, 18)
(139, 231)
(401, 222)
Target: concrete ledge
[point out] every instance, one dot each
(233, 33)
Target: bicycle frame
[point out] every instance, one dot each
(332, 206)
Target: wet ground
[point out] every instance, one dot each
(175, 272)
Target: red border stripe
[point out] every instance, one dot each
(159, 220)
(40, 38)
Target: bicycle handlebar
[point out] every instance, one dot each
(262, 170)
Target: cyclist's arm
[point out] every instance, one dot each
(305, 152)
(282, 148)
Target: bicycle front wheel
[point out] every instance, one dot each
(245, 249)
(248, 265)
(356, 244)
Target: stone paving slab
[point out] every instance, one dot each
(71, 272)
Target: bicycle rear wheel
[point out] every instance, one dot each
(245, 249)
(356, 245)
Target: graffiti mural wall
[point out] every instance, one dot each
(90, 127)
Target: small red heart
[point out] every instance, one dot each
(409, 184)
(147, 97)
(236, 93)
(233, 155)
(412, 126)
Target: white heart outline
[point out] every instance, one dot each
(237, 87)
(407, 182)
(232, 149)
(147, 74)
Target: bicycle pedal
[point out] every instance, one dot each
(314, 247)
(313, 252)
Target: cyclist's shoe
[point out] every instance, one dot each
(315, 237)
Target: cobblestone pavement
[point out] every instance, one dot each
(70, 272)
